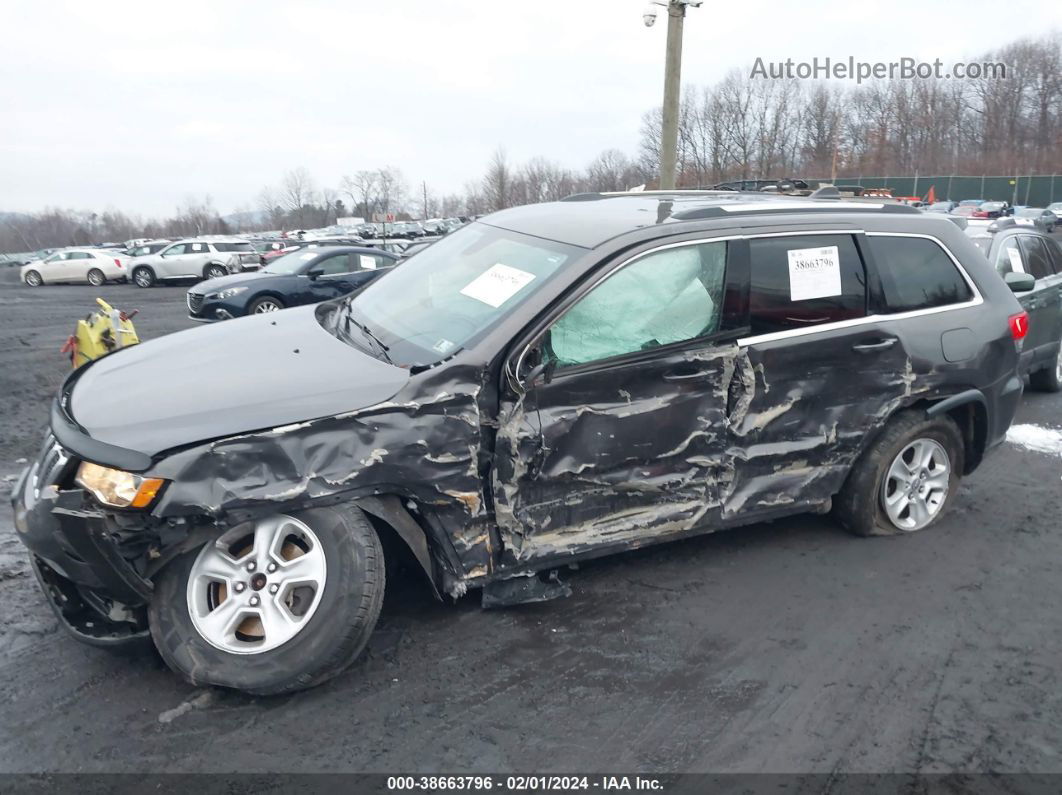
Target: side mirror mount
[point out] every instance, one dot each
(542, 369)
(1020, 282)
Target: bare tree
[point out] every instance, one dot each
(297, 191)
(362, 189)
(497, 183)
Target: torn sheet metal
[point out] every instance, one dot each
(696, 441)
(422, 445)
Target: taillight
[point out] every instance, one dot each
(1019, 325)
(118, 262)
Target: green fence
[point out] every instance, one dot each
(1034, 191)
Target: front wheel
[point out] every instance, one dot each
(272, 606)
(905, 480)
(33, 279)
(264, 305)
(144, 277)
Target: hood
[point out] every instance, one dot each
(221, 282)
(247, 374)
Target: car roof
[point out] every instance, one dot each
(588, 220)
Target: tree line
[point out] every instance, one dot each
(738, 127)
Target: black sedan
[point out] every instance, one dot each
(306, 276)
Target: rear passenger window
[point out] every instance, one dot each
(804, 281)
(1034, 253)
(916, 273)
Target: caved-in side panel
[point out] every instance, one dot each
(423, 444)
(616, 454)
(814, 403)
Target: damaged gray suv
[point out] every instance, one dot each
(552, 383)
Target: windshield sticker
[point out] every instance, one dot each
(497, 285)
(442, 346)
(367, 263)
(814, 273)
(1015, 259)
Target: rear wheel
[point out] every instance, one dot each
(1049, 379)
(265, 304)
(905, 480)
(33, 279)
(272, 606)
(144, 276)
(214, 272)
(96, 277)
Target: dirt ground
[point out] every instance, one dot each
(784, 647)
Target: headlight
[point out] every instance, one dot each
(117, 488)
(229, 292)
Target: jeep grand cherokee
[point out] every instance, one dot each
(551, 383)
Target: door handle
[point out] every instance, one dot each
(870, 347)
(684, 375)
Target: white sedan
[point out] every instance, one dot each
(76, 265)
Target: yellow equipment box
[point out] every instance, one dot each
(102, 331)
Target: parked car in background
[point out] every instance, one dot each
(991, 210)
(147, 247)
(1018, 250)
(76, 266)
(306, 276)
(971, 202)
(195, 258)
(1038, 217)
(941, 207)
(964, 211)
(1056, 208)
(39, 255)
(556, 383)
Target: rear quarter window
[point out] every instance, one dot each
(804, 281)
(916, 273)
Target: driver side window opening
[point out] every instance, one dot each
(666, 297)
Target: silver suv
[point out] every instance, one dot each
(195, 258)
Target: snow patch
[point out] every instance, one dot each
(1033, 437)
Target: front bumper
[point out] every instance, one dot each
(206, 310)
(83, 557)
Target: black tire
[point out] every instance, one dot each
(332, 639)
(96, 278)
(143, 276)
(214, 271)
(33, 279)
(858, 506)
(1049, 379)
(256, 306)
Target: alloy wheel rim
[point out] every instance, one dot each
(255, 589)
(142, 278)
(266, 306)
(34, 279)
(916, 484)
(95, 280)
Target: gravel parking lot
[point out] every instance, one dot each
(781, 647)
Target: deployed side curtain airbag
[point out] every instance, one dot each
(663, 298)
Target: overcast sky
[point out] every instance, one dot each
(140, 105)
